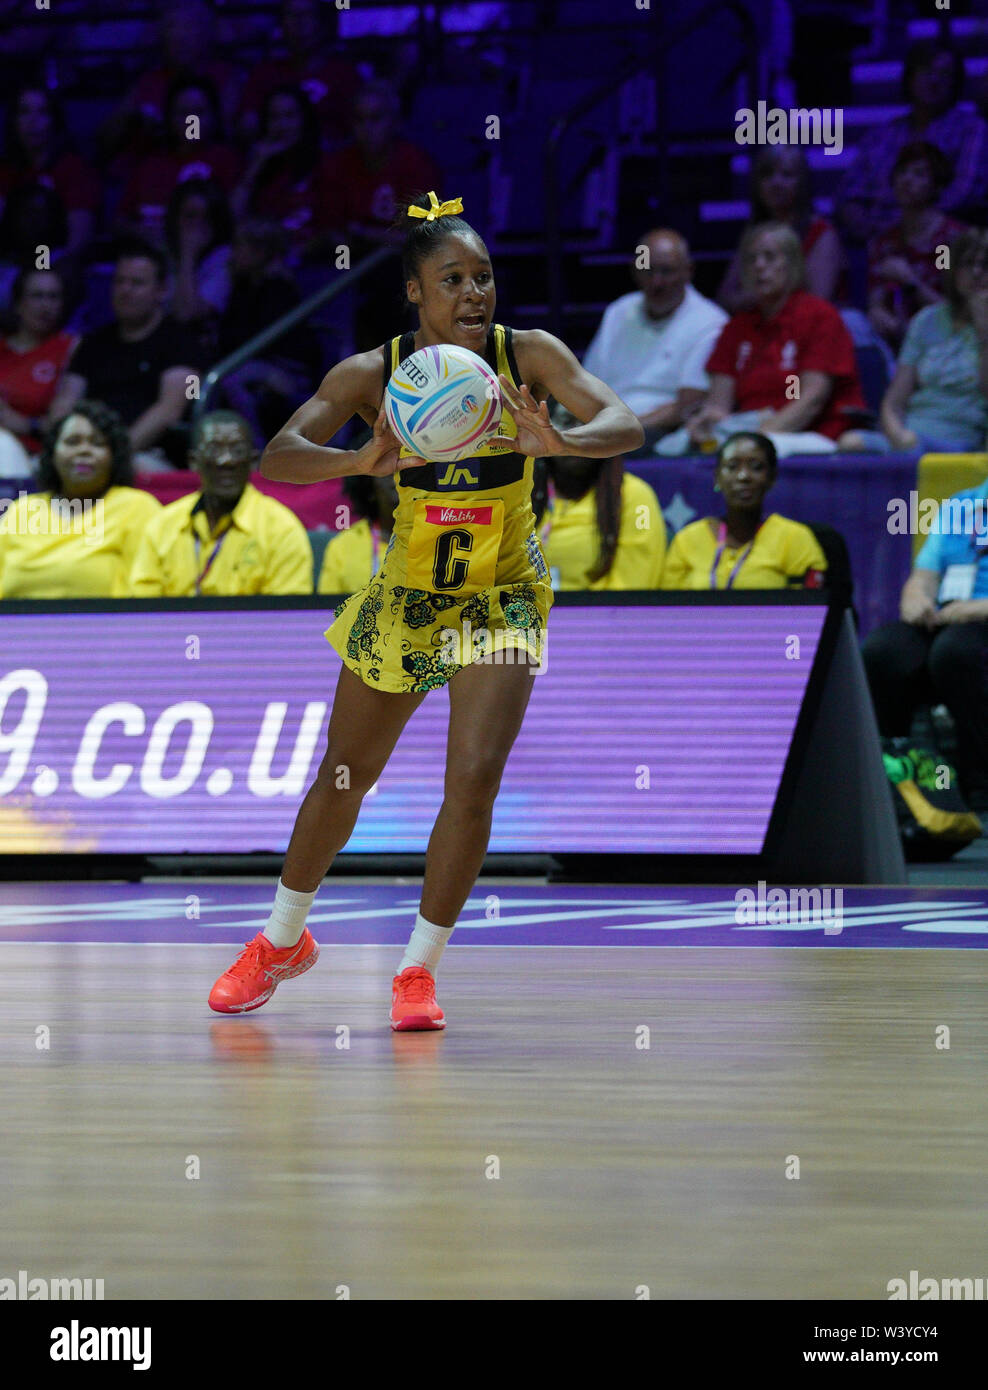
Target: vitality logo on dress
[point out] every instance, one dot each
(458, 516)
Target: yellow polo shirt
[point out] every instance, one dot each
(782, 552)
(72, 550)
(259, 548)
(571, 541)
(352, 558)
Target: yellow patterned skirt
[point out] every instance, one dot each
(406, 641)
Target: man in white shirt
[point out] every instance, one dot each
(652, 344)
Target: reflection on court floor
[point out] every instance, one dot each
(595, 1123)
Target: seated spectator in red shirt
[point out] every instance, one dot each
(185, 41)
(140, 363)
(37, 151)
(780, 192)
(282, 180)
(198, 233)
(786, 368)
(903, 276)
(361, 188)
(36, 386)
(308, 30)
(193, 150)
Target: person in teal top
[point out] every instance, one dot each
(958, 539)
(938, 650)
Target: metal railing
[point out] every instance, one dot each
(345, 281)
(656, 54)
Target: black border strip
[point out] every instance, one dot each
(622, 598)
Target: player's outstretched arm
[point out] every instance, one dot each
(609, 427)
(298, 452)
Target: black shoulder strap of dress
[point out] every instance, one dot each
(509, 353)
(406, 346)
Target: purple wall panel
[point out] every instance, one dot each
(118, 735)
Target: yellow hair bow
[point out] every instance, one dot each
(437, 209)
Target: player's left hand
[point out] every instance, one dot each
(537, 437)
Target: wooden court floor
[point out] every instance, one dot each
(532, 1151)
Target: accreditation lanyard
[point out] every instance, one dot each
(721, 542)
(201, 574)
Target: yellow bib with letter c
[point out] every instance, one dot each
(453, 548)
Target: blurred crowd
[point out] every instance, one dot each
(220, 198)
(216, 201)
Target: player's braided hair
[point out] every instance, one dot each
(608, 490)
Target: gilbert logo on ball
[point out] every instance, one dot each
(443, 403)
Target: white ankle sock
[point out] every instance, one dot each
(287, 921)
(425, 946)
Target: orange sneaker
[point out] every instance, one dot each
(258, 971)
(413, 1001)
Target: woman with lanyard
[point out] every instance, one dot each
(356, 552)
(741, 550)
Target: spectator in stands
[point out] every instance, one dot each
(139, 364)
(600, 527)
(933, 77)
(198, 233)
(744, 549)
(785, 368)
(37, 151)
(361, 184)
(938, 399)
(228, 538)
(308, 31)
(780, 192)
(903, 273)
(282, 180)
(185, 42)
(938, 650)
(652, 345)
(355, 554)
(77, 538)
(265, 389)
(37, 386)
(33, 216)
(194, 149)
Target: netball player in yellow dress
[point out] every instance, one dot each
(394, 635)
